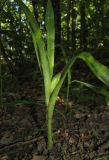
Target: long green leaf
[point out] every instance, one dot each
(34, 28)
(101, 72)
(50, 27)
(100, 90)
(39, 45)
(98, 69)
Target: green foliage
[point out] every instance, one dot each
(45, 57)
(99, 90)
(101, 158)
(50, 28)
(99, 70)
(15, 41)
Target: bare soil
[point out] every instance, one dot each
(81, 133)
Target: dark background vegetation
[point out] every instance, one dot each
(80, 26)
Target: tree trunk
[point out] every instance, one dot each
(83, 29)
(73, 14)
(99, 5)
(5, 56)
(68, 23)
(57, 14)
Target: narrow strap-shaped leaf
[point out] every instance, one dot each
(99, 70)
(46, 72)
(99, 90)
(40, 46)
(35, 30)
(50, 28)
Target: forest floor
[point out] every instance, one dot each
(81, 133)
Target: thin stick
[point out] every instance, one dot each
(20, 143)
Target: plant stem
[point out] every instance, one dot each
(68, 89)
(49, 127)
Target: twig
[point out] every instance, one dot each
(16, 144)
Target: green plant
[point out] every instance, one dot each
(101, 158)
(69, 75)
(45, 57)
(99, 90)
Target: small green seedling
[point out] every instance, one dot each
(45, 56)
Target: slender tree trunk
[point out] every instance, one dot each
(102, 21)
(73, 14)
(68, 23)
(5, 56)
(19, 47)
(99, 5)
(83, 29)
(57, 14)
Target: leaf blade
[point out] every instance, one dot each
(98, 69)
(39, 44)
(50, 28)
